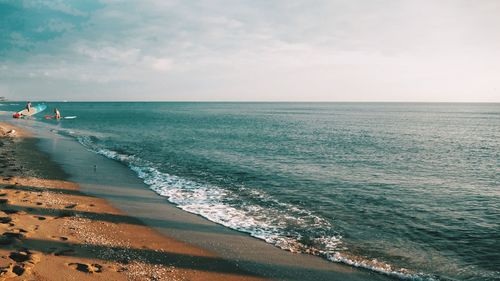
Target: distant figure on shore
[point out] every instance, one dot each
(57, 114)
(28, 106)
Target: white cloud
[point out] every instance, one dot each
(109, 53)
(56, 5)
(19, 40)
(56, 25)
(160, 64)
(280, 50)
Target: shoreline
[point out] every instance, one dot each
(49, 226)
(249, 256)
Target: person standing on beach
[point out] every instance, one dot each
(57, 114)
(28, 106)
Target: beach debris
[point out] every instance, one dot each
(11, 132)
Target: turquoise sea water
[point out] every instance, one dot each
(411, 190)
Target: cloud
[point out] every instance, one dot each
(240, 50)
(55, 5)
(109, 53)
(19, 40)
(56, 25)
(26, 24)
(160, 64)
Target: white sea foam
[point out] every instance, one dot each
(268, 224)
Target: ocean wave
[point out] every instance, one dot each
(269, 224)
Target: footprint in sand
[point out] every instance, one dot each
(11, 237)
(5, 219)
(11, 271)
(20, 256)
(87, 268)
(18, 269)
(25, 259)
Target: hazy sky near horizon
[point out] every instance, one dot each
(281, 50)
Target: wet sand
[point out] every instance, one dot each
(112, 227)
(52, 231)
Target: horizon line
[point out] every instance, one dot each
(246, 101)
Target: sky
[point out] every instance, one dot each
(253, 50)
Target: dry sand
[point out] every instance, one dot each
(51, 231)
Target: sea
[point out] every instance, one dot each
(410, 190)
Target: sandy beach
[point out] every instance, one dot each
(51, 231)
(103, 224)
